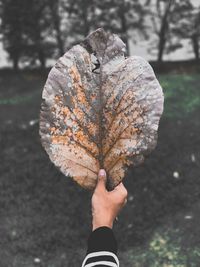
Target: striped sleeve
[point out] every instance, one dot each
(102, 249)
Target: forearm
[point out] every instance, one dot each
(102, 248)
(102, 245)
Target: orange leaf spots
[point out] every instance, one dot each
(75, 74)
(78, 113)
(59, 139)
(134, 130)
(77, 84)
(68, 132)
(65, 111)
(92, 128)
(80, 136)
(52, 130)
(57, 98)
(80, 94)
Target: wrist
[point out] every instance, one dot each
(96, 224)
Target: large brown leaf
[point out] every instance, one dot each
(99, 110)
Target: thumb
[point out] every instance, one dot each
(101, 183)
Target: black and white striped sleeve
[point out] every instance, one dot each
(102, 249)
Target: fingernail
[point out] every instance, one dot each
(102, 172)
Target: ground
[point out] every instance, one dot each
(46, 217)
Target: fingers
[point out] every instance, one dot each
(120, 192)
(120, 188)
(101, 183)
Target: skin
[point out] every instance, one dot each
(106, 205)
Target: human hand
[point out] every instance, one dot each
(106, 204)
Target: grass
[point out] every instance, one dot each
(164, 250)
(18, 99)
(182, 94)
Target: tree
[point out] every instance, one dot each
(189, 29)
(12, 29)
(80, 18)
(195, 36)
(123, 17)
(26, 27)
(164, 15)
(37, 28)
(54, 7)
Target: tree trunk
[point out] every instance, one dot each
(195, 45)
(58, 35)
(53, 5)
(161, 46)
(163, 31)
(41, 58)
(84, 17)
(15, 63)
(40, 49)
(124, 29)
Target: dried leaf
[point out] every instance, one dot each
(99, 110)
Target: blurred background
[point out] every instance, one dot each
(45, 218)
